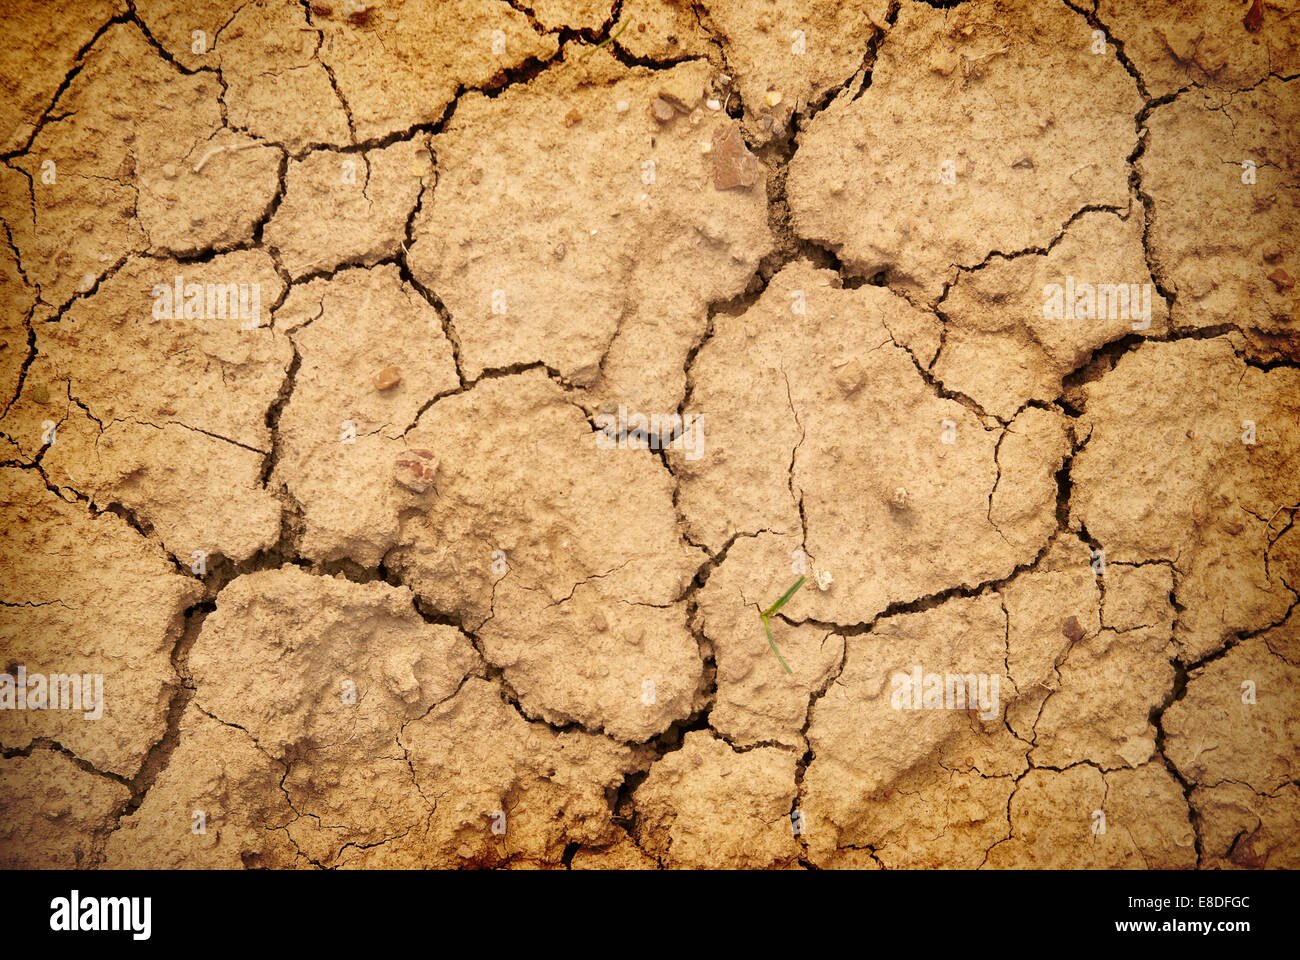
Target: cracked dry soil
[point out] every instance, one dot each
(362, 585)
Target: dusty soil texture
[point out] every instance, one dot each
(411, 413)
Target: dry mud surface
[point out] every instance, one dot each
(320, 321)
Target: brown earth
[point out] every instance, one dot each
(366, 584)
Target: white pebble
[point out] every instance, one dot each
(713, 104)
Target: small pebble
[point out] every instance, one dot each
(1254, 18)
(773, 98)
(621, 106)
(1281, 279)
(713, 104)
(824, 579)
(733, 164)
(661, 110)
(559, 251)
(40, 393)
(572, 117)
(415, 470)
(901, 500)
(850, 376)
(388, 378)
(676, 102)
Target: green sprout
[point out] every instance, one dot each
(770, 612)
(605, 41)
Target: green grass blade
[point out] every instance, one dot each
(772, 643)
(786, 596)
(771, 611)
(605, 41)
